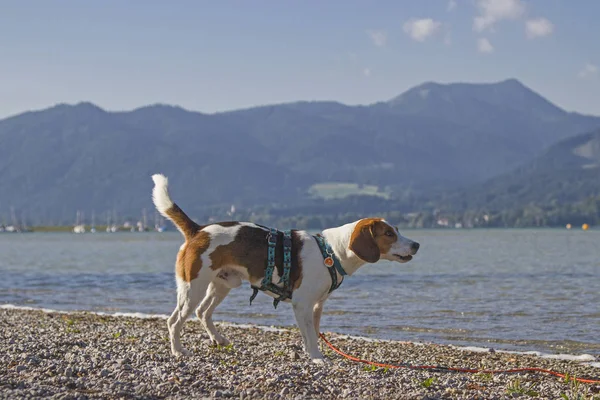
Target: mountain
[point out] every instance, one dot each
(473, 131)
(65, 158)
(432, 137)
(567, 172)
(466, 100)
(508, 112)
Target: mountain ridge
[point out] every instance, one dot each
(68, 157)
(508, 81)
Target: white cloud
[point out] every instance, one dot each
(484, 46)
(451, 5)
(588, 71)
(379, 38)
(421, 29)
(538, 27)
(367, 72)
(492, 11)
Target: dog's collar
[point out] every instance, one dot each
(331, 262)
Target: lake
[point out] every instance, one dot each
(507, 289)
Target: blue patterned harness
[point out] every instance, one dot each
(331, 262)
(267, 284)
(329, 259)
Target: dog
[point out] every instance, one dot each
(216, 258)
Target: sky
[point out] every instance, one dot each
(212, 56)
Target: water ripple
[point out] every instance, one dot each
(515, 289)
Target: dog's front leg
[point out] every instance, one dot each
(304, 318)
(317, 312)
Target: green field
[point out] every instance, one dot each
(339, 190)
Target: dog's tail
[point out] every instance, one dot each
(170, 210)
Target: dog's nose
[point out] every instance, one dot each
(415, 247)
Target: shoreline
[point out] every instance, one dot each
(102, 229)
(82, 354)
(589, 359)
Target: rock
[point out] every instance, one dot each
(33, 360)
(141, 367)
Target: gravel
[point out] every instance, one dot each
(90, 356)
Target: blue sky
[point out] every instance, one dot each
(219, 55)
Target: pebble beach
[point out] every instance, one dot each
(45, 354)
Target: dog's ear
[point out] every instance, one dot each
(362, 241)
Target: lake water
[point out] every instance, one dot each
(507, 289)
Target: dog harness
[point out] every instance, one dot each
(267, 284)
(329, 260)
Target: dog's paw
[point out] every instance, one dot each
(217, 341)
(221, 340)
(183, 352)
(321, 361)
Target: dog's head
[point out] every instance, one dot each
(374, 239)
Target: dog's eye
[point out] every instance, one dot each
(389, 233)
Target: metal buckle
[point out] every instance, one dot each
(329, 251)
(272, 239)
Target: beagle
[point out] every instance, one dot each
(216, 258)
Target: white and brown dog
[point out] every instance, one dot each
(216, 258)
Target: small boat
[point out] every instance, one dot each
(79, 226)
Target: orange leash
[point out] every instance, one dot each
(465, 370)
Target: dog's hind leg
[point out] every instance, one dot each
(215, 294)
(188, 297)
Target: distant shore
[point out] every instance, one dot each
(87, 229)
(85, 355)
(102, 229)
